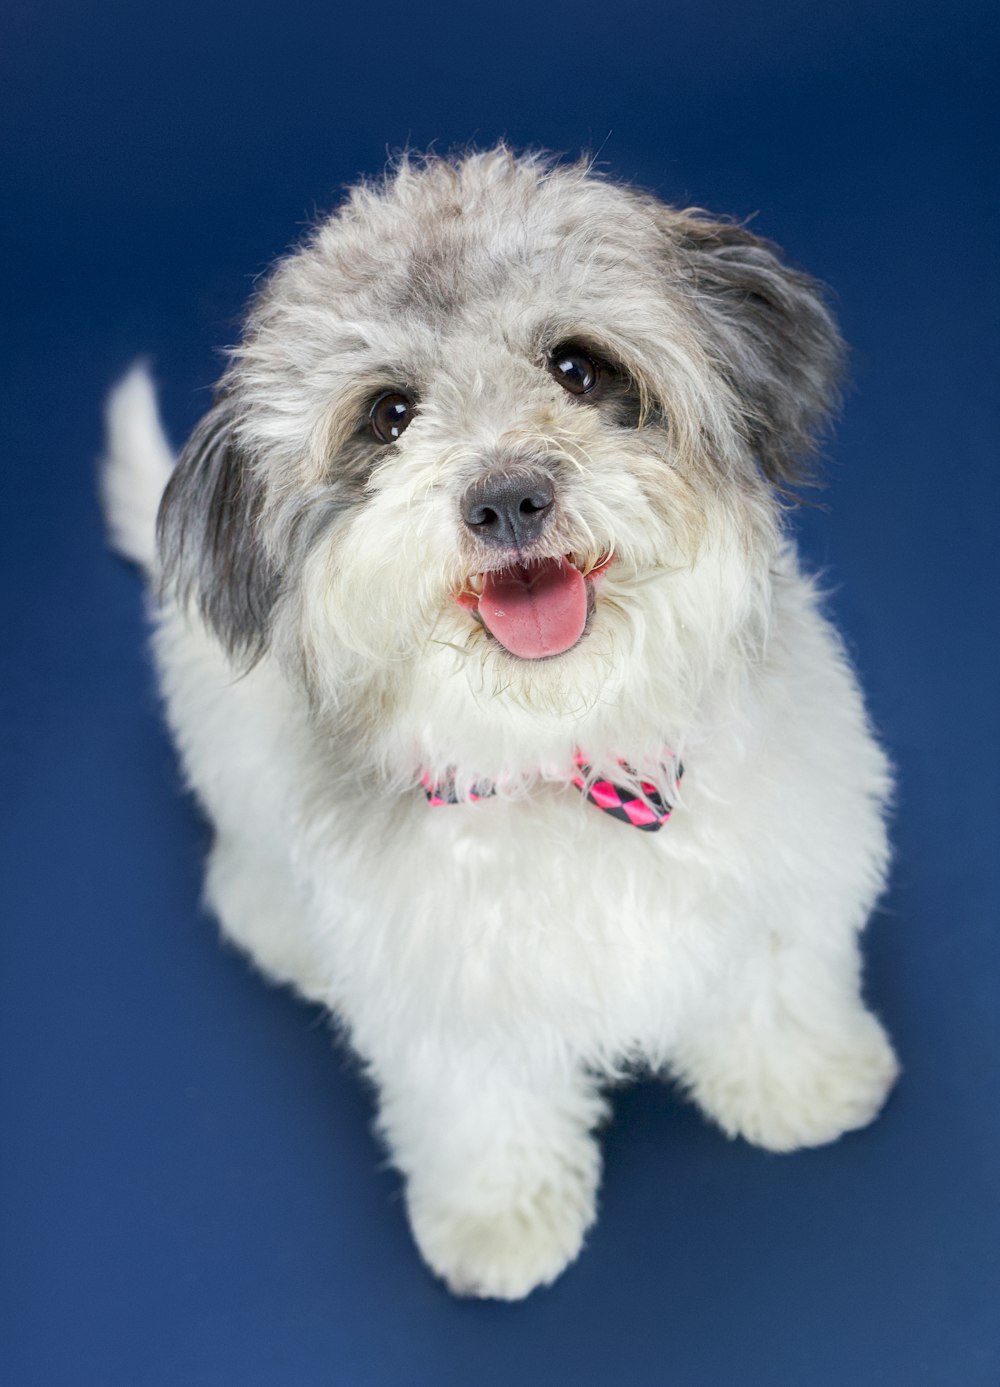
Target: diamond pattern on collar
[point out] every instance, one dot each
(648, 812)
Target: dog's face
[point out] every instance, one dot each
(500, 446)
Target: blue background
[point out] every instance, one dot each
(191, 1193)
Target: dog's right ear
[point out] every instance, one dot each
(208, 537)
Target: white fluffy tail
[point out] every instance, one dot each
(137, 465)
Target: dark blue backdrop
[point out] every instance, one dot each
(191, 1193)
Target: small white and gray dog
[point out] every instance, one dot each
(528, 749)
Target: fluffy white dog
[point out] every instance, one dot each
(528, 750)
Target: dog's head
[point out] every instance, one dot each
(501, 447)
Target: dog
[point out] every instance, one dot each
(529, 751)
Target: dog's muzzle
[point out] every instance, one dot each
(534, 603)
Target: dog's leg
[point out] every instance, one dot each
(501, 1167)
(260, 909)
(786, 1054)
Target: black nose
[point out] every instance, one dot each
(508, 510)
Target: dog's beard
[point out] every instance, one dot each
(397, 666)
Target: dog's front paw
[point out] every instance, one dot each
(791, 1087)
(504, 1252)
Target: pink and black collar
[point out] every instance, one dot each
(650, 811)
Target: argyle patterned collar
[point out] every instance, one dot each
(648, 812)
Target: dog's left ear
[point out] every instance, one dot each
(772, 334)
(208, 537)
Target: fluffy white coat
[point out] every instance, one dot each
(497, 963)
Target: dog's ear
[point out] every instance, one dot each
(208, 537)
(773, 336)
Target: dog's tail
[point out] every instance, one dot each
(136, 467)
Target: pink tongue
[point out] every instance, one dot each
(535, 609)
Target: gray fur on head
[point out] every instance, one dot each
(453, 280)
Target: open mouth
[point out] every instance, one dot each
(536, 609)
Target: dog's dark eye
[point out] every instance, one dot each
(389, 415)
(574, 370)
